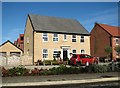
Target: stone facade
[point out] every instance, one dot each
(34, 44)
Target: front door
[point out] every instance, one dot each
(65, 55)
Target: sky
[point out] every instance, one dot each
(14, 14)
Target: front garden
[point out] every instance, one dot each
(62, 69)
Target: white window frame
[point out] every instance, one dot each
(82, 50)
(74, 38)
(82, 38)
(64, 37)
(54, 52)
(45, 37)
(75, 50)
(44, 53)
(55, 37)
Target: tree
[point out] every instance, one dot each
(108, 50)
(117, 49)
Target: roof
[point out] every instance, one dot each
(21, 35)
(112, 30)
(10, 43)
(55, 24)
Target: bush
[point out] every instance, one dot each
(116, 67)
(64, 70)
(4, 72)
(35, 71)
(95, 68)
(17, 71)
(48, 62)
(55, 63)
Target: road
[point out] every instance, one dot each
(113, 84)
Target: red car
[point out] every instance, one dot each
(82, 59)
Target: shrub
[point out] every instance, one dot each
(45, 72)
(11, 71)
(48, 62)
(116, 66)
(17, 71)
(35, 71)
(64, 70)
(4, 72)
(55, 63)
(20, 70)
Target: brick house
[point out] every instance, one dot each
(103, 35)
(20, 41)
(45, 37)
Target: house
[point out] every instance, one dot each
(46, 37)
(19, 43)
(103, 35)
(10, 54)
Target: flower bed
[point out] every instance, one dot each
(62, 69)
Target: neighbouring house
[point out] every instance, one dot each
(46, 37)
(10, 54)
(20, 41)
(103, 35)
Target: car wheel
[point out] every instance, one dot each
(78, 64)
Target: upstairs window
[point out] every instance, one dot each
(73, 38)
(65, 37)
(55, 37)
(82, 39)
(45, 53)
(22, 38)
(45, 37)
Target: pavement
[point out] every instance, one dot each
(59, 79)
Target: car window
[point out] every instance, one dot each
(87, 56)
(82, 56)
(74, 56)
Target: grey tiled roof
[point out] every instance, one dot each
(54, 24)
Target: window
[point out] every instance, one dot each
(55, 37)
(74, 51)
(65, 37)
(85, 56)
(56, 53)
(22, 38)
(117, 40)
(45, 53)
(82, 51)
(73, 38)
(45, 37)
(74, 56)
(82, 39)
